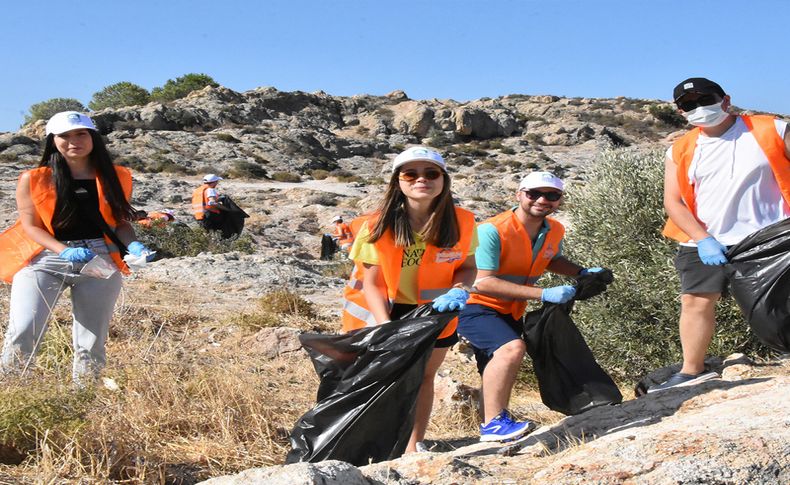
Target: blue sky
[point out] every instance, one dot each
(459, 49)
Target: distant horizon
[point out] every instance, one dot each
(445, 49)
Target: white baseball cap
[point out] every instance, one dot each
(540, 180)
(67, 121)
(209, 178)
(418, 154)
(337, 218)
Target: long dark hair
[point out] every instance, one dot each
(440, 231)
(66, 204)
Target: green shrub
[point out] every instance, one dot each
(119, 95)
(286, 177)
(45, 109)
(438, 138)
(179, 239)
(181, 86)
(338, 269)
(507, 150)
(346, 176)
(616, 219)
(667, 114)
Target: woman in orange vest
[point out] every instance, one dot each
(61, 204)
(417, 248)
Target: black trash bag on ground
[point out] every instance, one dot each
(759, 274)
(369, 383)
(570, 379)
(328, 247)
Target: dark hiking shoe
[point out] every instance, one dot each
(683, 380)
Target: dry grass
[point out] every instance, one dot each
(192, 401)
(188, 406)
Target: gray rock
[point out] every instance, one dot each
(324, 473)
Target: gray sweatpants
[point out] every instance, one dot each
(35, 291)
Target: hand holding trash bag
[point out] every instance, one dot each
(77, 255)
(455, 299)
(711, 251)
(558, 294)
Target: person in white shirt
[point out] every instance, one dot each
(724, 180)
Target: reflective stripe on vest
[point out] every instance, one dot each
(515, 255)
(359, 312)
(763, 129)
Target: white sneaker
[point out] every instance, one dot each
(421, 448)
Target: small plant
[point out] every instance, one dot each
(507, 150)
(323, 199)
(346, 176)
(338, 269)
(246, 169)
(227, 137)
(319, 174)
(286, 177)
(286, 302)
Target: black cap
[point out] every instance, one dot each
(698, 85)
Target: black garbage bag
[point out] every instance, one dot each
(570, 379)
(230, 219)
(328, 247)
(759, 274)
(369, 383)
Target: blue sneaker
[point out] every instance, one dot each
(502, 428)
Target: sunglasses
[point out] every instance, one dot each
(704, 100)
(412, 175)
(537, 194)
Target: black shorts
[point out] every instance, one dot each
(400, 309)
(697, 277)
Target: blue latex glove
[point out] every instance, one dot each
(77, 255)
(136, 248)
(585, 271)
(711, 251)
(558, 294)
(455, 299)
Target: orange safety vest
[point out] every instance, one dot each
(517, 264)
(763, 129)
(434, 275)
(17, 249)
(155, 218)
(200, 203)
(343, 234)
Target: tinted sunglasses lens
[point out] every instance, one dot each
(705, 100)
(537, 194)
(412, 175)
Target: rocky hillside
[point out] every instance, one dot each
(293, 160)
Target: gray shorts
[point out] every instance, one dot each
(697, 277)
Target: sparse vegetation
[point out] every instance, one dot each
(667, 114)
(286, 177)
(246, 169)
(179, 239)
(319, 174)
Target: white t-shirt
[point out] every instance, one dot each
(735, 190)
(211, 196)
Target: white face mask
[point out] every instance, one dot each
(706, 116)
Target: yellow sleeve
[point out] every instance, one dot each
(473, 245)
(362, 251)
